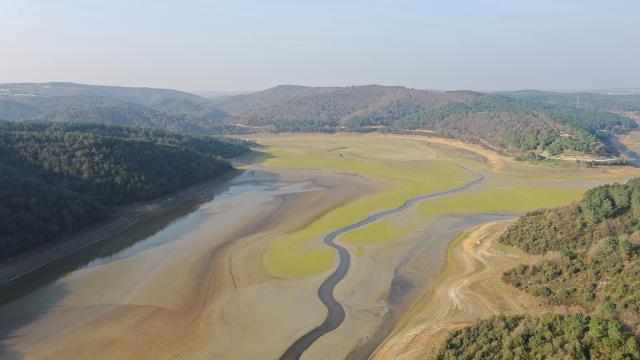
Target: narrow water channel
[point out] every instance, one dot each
(336, 313)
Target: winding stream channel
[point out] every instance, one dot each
(336, 313)
(62, 292)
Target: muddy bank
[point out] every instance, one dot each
(194, 288)
(336, 313)
(120, 219)
(468, 289)
(407, 283)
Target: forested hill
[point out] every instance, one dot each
(159, 108)
(499, 122)
(59, 178)
(584, 100)
(333, 105)
(136, 95)
(181, 122)
(599, 244)
(519, 125)
(514, 122)
(592, 266)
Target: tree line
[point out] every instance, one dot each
(57, 178)
(596, 271)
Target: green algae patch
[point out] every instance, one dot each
(404, 169)
(503, 199)
(287, 260)
(379, 232)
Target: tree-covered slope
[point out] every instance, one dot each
(74, 171)
(599, 264)
(583, 100)
(332, 105)
(237, 104)
(15, 110)
(500, 122)
(518, 125)
(160, 108)
(225, 147)
(146, 117)
(591, 266)
(549, 337)
(189, 107)
(136, 95)
(34, 212)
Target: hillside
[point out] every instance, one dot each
(599, 247)
(382, 104)
(529, 123)
(237, 104)
(584, 100)
(146, 117)
(550, 337)
(58, 178)
(591, 268)
(516, 125)
(160, 108)
(189, 107)
(136, 95)
(499, 122)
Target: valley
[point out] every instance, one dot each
(313, 180)
(215, 281)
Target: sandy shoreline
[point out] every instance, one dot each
(121, 218)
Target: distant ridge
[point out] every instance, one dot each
(137, 95)
(165, 109)
(535, 122)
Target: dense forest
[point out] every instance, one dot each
(517, 125)
(549, 337)
(189, 107)
(380, 104)
(598, 267)
(34, 92)
(583, 100)
(60, 177)
(168, 110)
(527, 124)
(503, 123)
(592, 264)
(133, 116)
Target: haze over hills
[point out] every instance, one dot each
(513, 122)
(610, 101)
(175, 121)
(495, 121)
(165, 109)
(136, 95)
(333, 104)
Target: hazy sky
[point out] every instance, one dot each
(247, 45)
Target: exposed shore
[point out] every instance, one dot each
(469, 288)
(121, 218)
(201, 295)
(209, 290)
